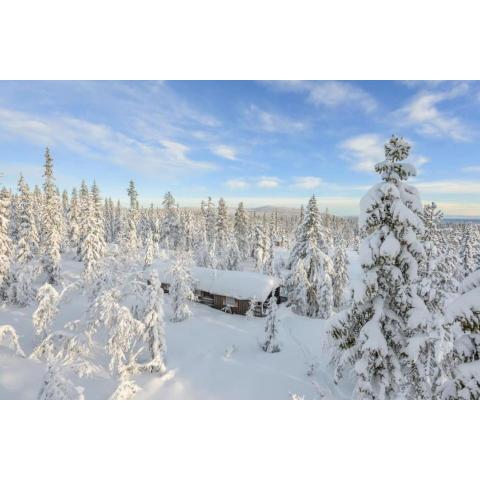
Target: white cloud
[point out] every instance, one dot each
(471, 169)
(268, 182)
(99, 142)
(422, 113)
(236, 184)
(308, 183)
(272, 122)
(450, 186)
(330, 93)
(364, 151)
(225, 151)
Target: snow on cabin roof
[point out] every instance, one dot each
(229, 283)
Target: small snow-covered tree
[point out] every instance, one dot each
(153, 319)
(181, 290)
(46, 311)
(271, 343)
(126, 390)
(340, 276)
(57, 386)
(9, 338)
(384, 333)
(252, 306)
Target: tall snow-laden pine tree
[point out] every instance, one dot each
(241, 231)
(221, 235)
(181, 290)
(131, 242)
(385, 332)
(210, 224)
(318, 266)
(435, 278)
(271, 343)
(51, 224)
(170, 228)
(5, 242)
(92, 247)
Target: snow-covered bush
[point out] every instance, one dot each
(46, 311)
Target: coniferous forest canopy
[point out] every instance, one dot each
(108, 300)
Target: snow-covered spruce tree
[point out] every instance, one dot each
(385, 332)
(210, 224)
(27, 244)
(46, 311)
(470, 249)
(241, 231)
(250, 313)
(170, 228)
(92, 247)
(149, 251)
(51, 231)
(298, 286)
(131, 242)
(5, 242)
(260, 248)
(154, 333)
(309, 232)
(271, 343)
(221, 235)
(74, 221)
(340, 276)
(181, 290)
(233, 256)
(125, 332)
(57, 386)
(435, 277)
(318, 266)
(464, 315)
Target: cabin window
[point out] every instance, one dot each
(230, 302)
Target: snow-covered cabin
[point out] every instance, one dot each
(228, 290)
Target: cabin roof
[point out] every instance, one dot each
(229, 283)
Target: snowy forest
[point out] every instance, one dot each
(102, 300)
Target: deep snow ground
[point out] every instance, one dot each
(213, 355)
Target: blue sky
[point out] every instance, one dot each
(266, 143)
